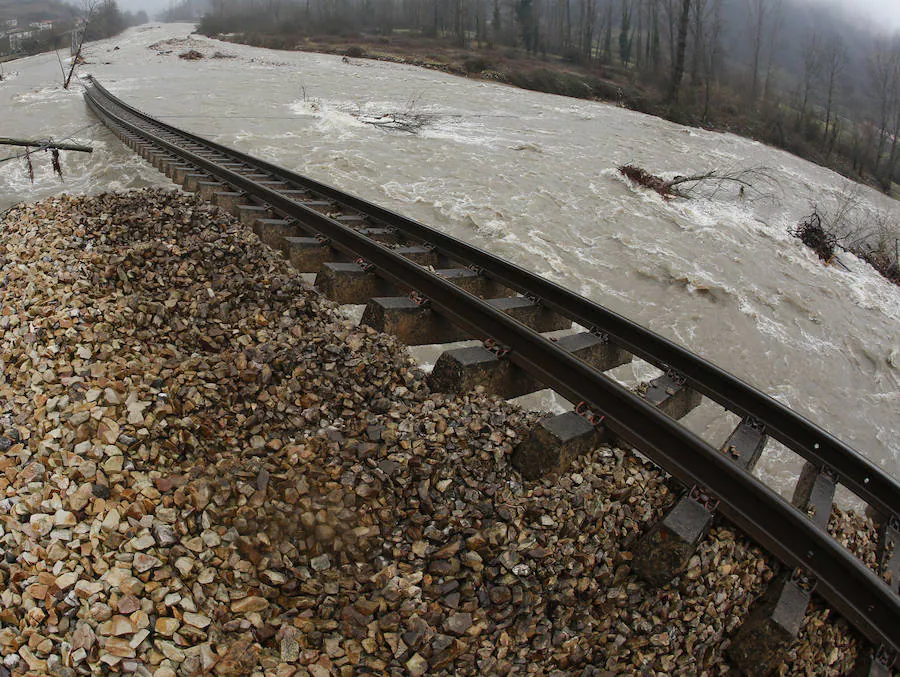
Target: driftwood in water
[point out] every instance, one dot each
(644, 178)
(671, 188)
(44, 144)
(399, 122)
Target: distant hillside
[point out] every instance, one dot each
(35, 10)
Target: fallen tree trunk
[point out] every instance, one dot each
(669, 188)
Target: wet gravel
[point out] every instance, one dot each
(205, 469)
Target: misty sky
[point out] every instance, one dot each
(883, 13)
(149, 6)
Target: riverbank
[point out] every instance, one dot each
(204, 468)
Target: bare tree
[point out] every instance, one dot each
(625, 33)
(772, 46)
(698, 14)
(587, 19)
(763, 25)
(88, 8)
(883, 76)
(639, 36)
(894, 131)
(678, 66)
(653, 41)
(559, 29)
(708, 28)
(812, 72)
(607, 33)
(460, 17)
(670, 10)
(834, 63)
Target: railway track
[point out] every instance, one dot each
(429, 288)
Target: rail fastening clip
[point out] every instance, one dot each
(592, 417)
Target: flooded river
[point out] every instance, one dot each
(531, 177)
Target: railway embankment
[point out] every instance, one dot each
(205, 469)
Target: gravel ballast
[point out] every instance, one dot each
(205, 469)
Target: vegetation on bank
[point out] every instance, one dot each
(874, 240)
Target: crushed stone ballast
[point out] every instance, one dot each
(426, 287)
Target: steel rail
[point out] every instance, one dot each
(849, 586)
(865, 479)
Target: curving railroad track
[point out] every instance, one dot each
(429, 288)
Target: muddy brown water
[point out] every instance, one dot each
(530, 177)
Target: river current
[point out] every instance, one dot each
(530, 177)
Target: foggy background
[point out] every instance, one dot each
(877, 15)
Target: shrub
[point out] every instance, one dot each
(572, 55)
(355, 51)
(475, 64)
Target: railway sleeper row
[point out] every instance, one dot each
(664, 550)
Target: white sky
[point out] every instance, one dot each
(149, 6)
(881, 13)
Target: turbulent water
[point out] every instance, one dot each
(530, 177)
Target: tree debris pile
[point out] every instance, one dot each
(203, 470)
(876, 244)
(811, 232)
(411, 119)
(191, 55)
